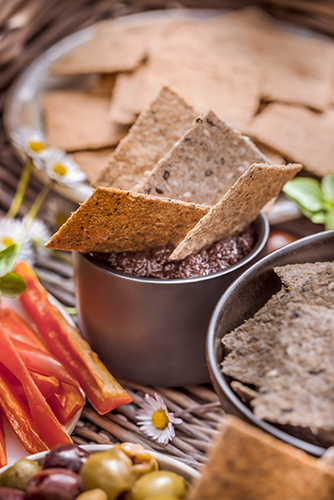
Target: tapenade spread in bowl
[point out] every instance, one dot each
(147, 317)
(152, 330)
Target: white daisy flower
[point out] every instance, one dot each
(10, 232)
(62, 168)
(155, 421)
(57, 211)
(32, 143)
(39, 231)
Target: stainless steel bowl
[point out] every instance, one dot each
(153, 331)
(240, 302)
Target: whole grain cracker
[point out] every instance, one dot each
(203, 164)
(114, 46)
(238, 207)
(92, 162)
(298, 388)
(295, 68)
(299, 134)
(153, 134)
(294, 276)
(112, 220)
(245, 463)
(209, 64)
(78, 120)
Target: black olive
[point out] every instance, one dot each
(66, 456)
(54, 484)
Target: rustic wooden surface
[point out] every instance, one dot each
(27, 28)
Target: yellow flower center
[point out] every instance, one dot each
(61, 219)
(6, 240)
(36, 146)
(60, 169)
(160, 420)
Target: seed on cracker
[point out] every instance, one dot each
(78, 120)
(203, 164)
(238, 207)
(112, 220)
(153, 134)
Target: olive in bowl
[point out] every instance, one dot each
(123, 471)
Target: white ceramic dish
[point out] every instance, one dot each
(14, 448)
(165, 462)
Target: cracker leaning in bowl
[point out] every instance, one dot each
(206, 162)
(285, 352)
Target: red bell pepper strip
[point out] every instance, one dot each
(47, 425)
(66, 401)
(19, 418)
(3, 454)
(43, 363)
(33, 351)
(102, 390)
(20, 330)
(48, 386)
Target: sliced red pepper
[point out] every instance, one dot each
(47, 425)
(47, 385)
(102, 390)
(43, 362)
(19, 417)
(3, 454)
(20, 330)
(66, 401)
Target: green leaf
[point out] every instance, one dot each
(327, 186)
(7, 258)
(12, 285)
(319, 218)
(329, 223)
(306, 192)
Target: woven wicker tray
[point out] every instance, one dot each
(27, 29)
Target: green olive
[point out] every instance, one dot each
(96, 494)
(111, 471)
(163, 497)
(159, 483)
(19, 473)
(142, 460)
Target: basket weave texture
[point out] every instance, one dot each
(27, 29)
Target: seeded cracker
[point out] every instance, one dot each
(209, 63)
(203, 164)
(299, 134)
(153, 134)
(113, 47)
(92, 162)
(295, 276)
(112, 220)
(238, 207)
(286, 352)
(77, 120)
(246, 463)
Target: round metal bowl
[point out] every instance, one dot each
(240, 302)
(153, 331)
